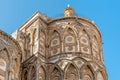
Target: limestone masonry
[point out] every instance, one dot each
(67, 48)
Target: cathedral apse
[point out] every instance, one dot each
(43, 48)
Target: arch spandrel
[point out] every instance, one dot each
(55, 74)
(79, 62)
(87, 73)
(63, 63)
(3, 69)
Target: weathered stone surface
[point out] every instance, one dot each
(68, 48)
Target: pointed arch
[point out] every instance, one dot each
(79, 61)
(55, 36)
(14, 69)
(42, 73)
(25, 75)
(42, 41)
(95, 47)
(34, 35)
(85, 45)
(4, 51)
(78, 27)
(21, 41)
(72, 30)
(2, 43)
(8, 52)
(13, 77)
(4, 63)
(70, 41)
(87, 73)
(55, 43)
(55, 74)
(71, 73)
(33, 73)
(70, 33)
(34, 39)
(3, 66)
(27, 43)
(5, 55)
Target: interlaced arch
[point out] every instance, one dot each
(71, 73)
(55, 74)
(87, 73)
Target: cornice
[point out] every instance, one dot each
(76, 55)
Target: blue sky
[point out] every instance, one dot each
(105, 13)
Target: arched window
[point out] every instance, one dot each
(12, 75)
(87, 74)
(25, 75)
(33, 73)
(41, 74)
(2, 69)
(42, 42)
(34, 36)
(28, 45)
(55, 75)
(70, 41)
(84, 42)
(34, 41)
(3, 64)
(95, 48)
(71, 73)
(55, 43)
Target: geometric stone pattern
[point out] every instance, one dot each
(68, 48)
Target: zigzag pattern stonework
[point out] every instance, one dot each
(68, 48)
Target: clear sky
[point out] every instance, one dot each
(105, 14)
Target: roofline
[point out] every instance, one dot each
(33, 18)
(37, 16)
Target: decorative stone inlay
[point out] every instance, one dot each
(79, 62)
(55, 41)
(70, 48)
(69, 38)
(63, 64)
(85, 49)
(84, 40)
(55, 51)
